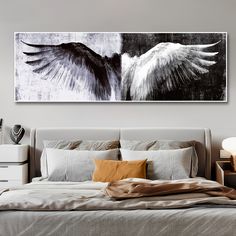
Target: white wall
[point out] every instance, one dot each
(119, 15)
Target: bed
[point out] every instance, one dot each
(89, 219)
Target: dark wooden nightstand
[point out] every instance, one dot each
(224, 174)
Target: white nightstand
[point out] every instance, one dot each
(13, 165)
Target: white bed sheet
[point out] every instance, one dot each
(185, 222)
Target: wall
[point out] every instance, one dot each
(122, 15)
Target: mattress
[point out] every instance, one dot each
(89, 217)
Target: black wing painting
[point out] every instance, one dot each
(164, 68)
(133, 72)
(77, 68)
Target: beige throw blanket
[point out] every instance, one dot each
(147, 188)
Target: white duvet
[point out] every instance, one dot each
(65, 196)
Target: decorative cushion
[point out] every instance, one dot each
(107, 171)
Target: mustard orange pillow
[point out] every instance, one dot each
(108, 170)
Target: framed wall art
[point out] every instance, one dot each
(120, 67)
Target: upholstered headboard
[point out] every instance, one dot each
(201, 135)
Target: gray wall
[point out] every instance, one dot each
(122, 15)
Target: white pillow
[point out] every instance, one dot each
(74, 165)
(94, 145)
(164, 164)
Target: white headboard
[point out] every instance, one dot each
(201, 135)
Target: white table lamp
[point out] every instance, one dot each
(229, 144)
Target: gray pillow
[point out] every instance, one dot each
(164, 164)
(74, 165)
(138, 145)
(98, 145)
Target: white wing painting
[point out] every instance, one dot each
(80, 67)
